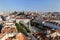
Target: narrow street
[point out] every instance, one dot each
(33, 30)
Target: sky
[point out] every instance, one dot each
(30, 5)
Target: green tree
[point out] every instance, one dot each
(14, 13)
(21, 13)
(19, 28)
(26, 28)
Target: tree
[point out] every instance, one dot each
(14, 13)
(19, 28)
(26, 28)
(21, 13)
(35, 24)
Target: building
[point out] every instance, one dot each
(54, 24)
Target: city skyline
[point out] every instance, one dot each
(30, 5)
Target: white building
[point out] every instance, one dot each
(54, 24)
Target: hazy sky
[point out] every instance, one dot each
(30, 5)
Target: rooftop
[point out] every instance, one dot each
(21, 36)
(2, 35)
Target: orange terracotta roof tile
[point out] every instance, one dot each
(8, 30)
(58, 31)
(9, 38)
(1, 35)
(21, 36)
